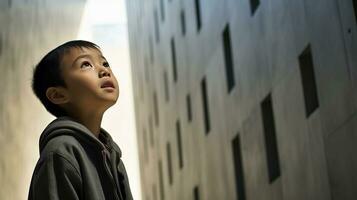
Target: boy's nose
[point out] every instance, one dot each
(104, 72)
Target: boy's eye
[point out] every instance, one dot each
(86, 64)
(106, 64)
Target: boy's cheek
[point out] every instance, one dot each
(116, 82)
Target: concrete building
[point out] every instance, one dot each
(245, 99)
(28, 30)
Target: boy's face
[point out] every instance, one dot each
(90, 81)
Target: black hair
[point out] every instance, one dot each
(47, 73)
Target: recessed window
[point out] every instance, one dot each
(141, 87)
(189, 109)
(145, 141)
(198, 14)
(0, 45)
(271, 146)
(179, 143)
(161, 181)
(151, 130)
(156, 111)
(355, 8)
(196, 193)
(162, 9)
(228, 58)
(308, 81)
(147, 71)
(166, 85)
(169, 162)
(151, 49)
(173, 57)
(156, 21)
(238, 167)
(154, 194)
(205, 106)
(254, 4)
(183, 22)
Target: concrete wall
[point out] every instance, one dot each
(29, 29)
(316, 153)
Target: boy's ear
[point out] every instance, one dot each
(57, 95)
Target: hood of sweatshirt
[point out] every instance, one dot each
(67, 126)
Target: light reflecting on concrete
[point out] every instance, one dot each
(104, 23)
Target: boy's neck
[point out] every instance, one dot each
(92, 121)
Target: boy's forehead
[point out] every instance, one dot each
(77, 51)
(71, 54)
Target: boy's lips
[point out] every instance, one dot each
(106, 84)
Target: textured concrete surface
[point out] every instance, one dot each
(316, 153)
(29, 29)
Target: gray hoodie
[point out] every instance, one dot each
(74, 164)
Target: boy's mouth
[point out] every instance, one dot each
(107, 84)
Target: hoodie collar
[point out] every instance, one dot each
(67, 126)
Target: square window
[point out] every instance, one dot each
(169, 163)
(189, 109)
(141, 87)
(151, 130)
(156, 111)
(147, 70)
(161, 181)
(271, 147)
(355, 8)
(156, 21)
(1, 45)
(173, 57)
(151, 49)
(196, 193)
(154, 195)
(166, 85)
(254, 4)
(183, 22)
(162, 9)
(238, 167)
(179, 143)
(228, 58)
(308, 81)
(145, 141)
(198, 14)
(205, 106)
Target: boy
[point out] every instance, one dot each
(78, 159)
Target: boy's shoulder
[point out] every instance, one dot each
(61, 144)
(63, 136)
(60, 151)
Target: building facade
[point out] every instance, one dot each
(245, 99)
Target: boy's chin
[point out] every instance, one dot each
(110, 103)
